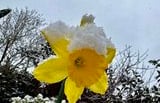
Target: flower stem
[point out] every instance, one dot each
(61, 93)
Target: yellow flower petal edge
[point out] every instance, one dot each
(51, 71)
(72, 92)
(59, 47)
(101, 86)
(111, 52)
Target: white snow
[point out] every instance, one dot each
(90, 36)
(87, 36)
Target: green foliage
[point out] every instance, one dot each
(16, 83)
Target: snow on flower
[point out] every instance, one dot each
(82, 55)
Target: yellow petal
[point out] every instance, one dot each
(101, 86)
(51, 71)
(110, 54)
(86, 67)
(59, 46)
(72, 92)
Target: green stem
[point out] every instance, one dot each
(61, 93)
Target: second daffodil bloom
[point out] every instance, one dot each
(83, 53)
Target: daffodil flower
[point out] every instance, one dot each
(83, 53)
